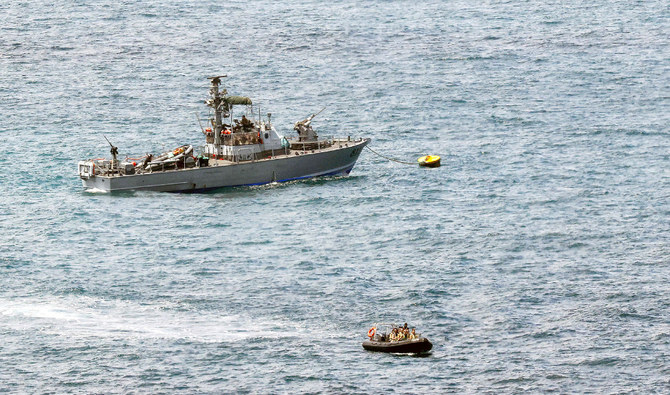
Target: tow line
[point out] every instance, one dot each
(426, 161)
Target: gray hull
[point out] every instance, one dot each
(332, 161)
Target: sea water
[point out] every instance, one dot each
(535, 258)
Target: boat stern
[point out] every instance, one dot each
(86, 169)
(89, 179)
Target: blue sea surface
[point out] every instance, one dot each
(536, 259)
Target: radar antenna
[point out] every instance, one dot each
(217, 79)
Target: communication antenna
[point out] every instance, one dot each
(201, 128)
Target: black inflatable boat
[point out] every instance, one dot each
(393, 338)
(414, 346)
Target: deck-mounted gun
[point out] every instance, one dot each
(114, 151)
(304, 128)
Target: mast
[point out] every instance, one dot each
(215, 101)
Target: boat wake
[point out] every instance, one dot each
(95, 190)
(89, 317)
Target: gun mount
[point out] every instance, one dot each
(305, 130)
(114, 151)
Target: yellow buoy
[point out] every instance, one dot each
(429, 161)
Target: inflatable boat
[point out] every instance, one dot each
(395, 339)
(413, 346)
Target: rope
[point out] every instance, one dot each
(391, 159)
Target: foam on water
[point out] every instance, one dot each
(95, 190)
(81, 318)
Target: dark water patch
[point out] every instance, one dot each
(514, 380)
(207, 272)
(663, 337)
(79, 290)
(577, 245)
(635, 315)
(602, 361)
(59, 48)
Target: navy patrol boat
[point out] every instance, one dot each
(236, 153)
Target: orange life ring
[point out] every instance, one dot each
(372, 332)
